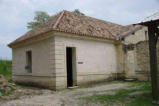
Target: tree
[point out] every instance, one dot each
(78, 12)
(39, 18)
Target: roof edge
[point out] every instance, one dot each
(13, 43)
(57, 30)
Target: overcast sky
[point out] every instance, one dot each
(14, 14)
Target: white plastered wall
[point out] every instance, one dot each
(42, 62)
(98, 58)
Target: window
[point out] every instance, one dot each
(133, 33)
(28, 66)
(146, 35)
(122, 39)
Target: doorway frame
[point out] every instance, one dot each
(74, 69)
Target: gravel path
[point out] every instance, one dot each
(65, 97)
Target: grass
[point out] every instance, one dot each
(5, 66)
(122, 96)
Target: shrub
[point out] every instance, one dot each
(5, 67)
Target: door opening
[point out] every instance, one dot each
(70, 61)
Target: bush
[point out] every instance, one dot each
(5, 67)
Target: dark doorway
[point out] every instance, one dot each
(69, 62)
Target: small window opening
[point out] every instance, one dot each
(122, 39)
(28, 66)
(146, 35)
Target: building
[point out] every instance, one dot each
(70, 49)
(136, 53)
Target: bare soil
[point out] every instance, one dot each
(67, 97)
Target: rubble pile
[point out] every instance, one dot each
(11, 91)
(5, 87)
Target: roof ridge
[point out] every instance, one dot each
(58, 20)
(105, 21)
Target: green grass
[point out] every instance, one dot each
(122, 96)
(5, 66)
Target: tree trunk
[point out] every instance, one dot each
(153, 64)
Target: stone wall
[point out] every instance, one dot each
(137, 36)
(138, 66)
(143, 68)
(130, 63)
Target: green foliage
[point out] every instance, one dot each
(122, 96)
(5, 67)
(39, 18)
(78, 12)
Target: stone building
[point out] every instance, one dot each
(71, 49)
(136, 53)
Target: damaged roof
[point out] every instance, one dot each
(71, 22)
(130, 29)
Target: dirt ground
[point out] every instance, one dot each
(67, 97)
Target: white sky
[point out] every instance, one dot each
(14, 14)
